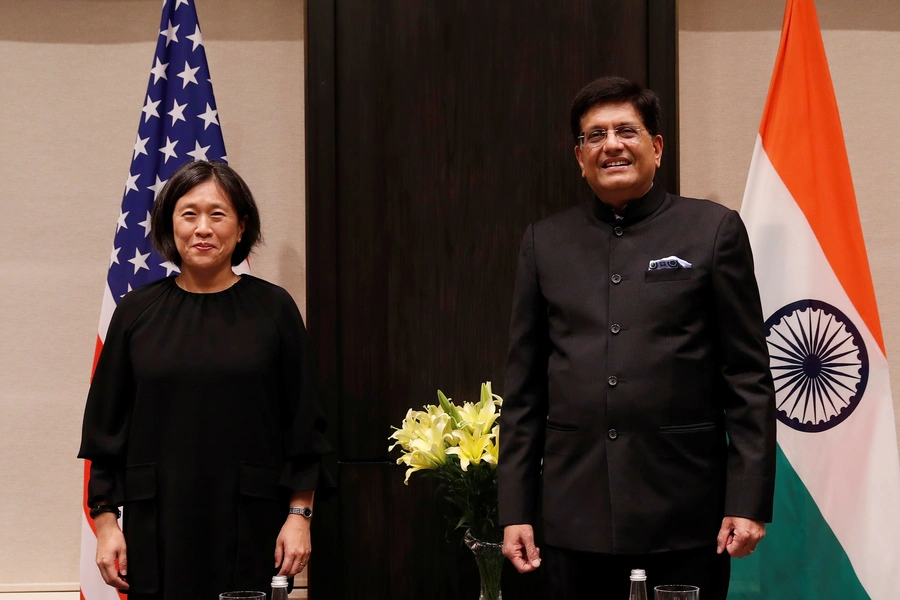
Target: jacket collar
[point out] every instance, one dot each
(634, 211)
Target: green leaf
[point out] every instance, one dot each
(449, 408)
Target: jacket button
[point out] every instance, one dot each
(616, 278)
(613, 434)
(618, 231)
(615, 328)
(612, 380)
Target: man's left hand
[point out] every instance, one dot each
(739, 536)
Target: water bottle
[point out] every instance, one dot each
(280, 588)
(638, 585)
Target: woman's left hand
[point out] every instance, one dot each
(293, 547)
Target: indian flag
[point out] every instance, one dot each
(837, 493)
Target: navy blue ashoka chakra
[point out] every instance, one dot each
(819, 363)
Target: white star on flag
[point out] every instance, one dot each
(159, 71)
(146, 224)
(169, 149)
(140, 146)
(149, 109)
(209, 117)
(121, 222)
(114, 256)
(170, 33)
(130, 183)
(139, 261)
(177, 112)
(170, 268)
(180, 2)
(196, 37)
(198, 153)
(188, 75)
(157, 187)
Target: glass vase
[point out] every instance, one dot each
(489, 558)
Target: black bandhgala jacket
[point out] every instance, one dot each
(638, 393)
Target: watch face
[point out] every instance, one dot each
(304, 511)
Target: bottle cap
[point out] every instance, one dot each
(279, 581)
(638, 575)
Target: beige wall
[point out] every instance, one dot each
(73, 74)
(727, 51)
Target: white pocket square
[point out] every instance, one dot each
(669, 262)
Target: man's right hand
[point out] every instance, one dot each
(111, 557)
(519, 548)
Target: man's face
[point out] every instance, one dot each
(619, 170)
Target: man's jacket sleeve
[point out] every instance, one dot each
(524, 413)
(749, 396)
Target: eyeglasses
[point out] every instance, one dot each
(598, 137)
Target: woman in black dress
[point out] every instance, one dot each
(201, 419)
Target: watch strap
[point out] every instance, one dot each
(303, 511)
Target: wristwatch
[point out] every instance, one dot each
(303, 511)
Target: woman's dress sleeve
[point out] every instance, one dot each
(303, 423)
(107, 415)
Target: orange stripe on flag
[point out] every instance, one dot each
(97, 348)
(87, 464)
(87, 514)
(802, 136)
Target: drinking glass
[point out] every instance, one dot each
(677, 592)
(242, 596)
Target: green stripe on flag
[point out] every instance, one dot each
(800, 558)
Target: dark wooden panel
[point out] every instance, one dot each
(436, 131)
(362, 169)
(662, 69)
(321, 268)
(394, 542)
(453, 136)
(365, 538)
(435, 563)
(322, 311)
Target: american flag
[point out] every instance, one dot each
(179, 123)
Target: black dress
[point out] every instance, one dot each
(201, 420)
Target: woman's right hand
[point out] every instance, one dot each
(112, 559)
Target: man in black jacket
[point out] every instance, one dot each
(639, 401)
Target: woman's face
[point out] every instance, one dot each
(206, 229)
